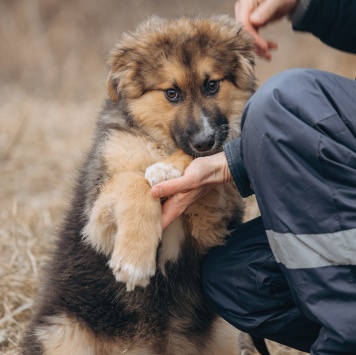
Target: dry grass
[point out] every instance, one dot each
(35, 178)
(52, 76)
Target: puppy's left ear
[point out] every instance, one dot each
(121, 73)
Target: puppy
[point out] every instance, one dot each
(117, 283)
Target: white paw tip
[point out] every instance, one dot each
(160, 172)
(131, 275)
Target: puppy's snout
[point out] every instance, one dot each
(203, 142)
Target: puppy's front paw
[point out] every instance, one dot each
(132, 272)
(160, 172)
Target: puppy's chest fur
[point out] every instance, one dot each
(123, 219)
(113, 220)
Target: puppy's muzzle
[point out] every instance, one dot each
(204, 139)
(203, 142)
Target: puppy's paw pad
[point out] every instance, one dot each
(160, 172)
(130, 274)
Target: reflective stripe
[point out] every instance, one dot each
(314, 250)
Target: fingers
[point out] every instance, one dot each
(171, 187)
(201, 171)
(243, 10)
(179, 202)
(172, 209)
(265, 52)
(272, 10)
(181, 192)
(164, 189)
(200, 176)
(253, 14)
(264, 13)
(194, 176)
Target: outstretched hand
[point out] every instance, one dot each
(198, 179)
(253, 14)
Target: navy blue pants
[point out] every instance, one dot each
(290, 276)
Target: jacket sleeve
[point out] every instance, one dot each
(233, 156)
(332, 21)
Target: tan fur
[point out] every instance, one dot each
(63, 336)
(133, 245)
(208, 216)
(223, 339)
(173, 236)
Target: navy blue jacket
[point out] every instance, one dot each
(297, 153)
(333, 21)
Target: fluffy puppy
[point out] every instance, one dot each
(117, 283)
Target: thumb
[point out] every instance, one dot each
(169, 187)
(264, 13)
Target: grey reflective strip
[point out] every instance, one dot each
(314, 250)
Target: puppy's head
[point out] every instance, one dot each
(184, 81)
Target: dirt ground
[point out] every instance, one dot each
(52, 83)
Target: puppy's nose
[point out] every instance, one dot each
(202, 142)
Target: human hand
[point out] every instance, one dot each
(198, 179)
(253, 14)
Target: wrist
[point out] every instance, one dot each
(299, 11)
(219, 168)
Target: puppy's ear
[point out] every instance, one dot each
(121, 72)
(112, 87)
(244, 62)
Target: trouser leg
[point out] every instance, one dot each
(246, 286)
(299, 149)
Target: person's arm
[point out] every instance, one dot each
(332, 21)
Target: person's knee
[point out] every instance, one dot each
(287, 90)
(230, 288)
(245, 285)
(347, 334)
(221, 296)
(276, 113)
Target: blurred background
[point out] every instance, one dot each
(52, 82)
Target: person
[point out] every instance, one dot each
(289, 275)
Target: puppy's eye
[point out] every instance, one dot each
(172, 95)
(212, 87)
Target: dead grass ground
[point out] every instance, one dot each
(52, 77)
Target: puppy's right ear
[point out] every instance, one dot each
(121, 72)
(112, 87)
